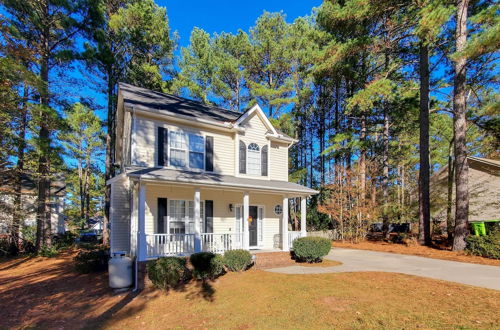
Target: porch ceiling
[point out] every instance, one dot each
(212, 179)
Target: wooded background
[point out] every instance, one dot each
(380, 94)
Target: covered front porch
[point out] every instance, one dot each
(174, 219)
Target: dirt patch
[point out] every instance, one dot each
(435, 252)
(334, 304)
(46, 292)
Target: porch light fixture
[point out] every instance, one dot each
(231, 207)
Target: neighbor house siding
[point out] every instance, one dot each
(145, 148)
(120, 215)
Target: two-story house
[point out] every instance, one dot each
(195, 177)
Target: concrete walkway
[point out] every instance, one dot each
(361, 261)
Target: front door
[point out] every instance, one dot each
(252, 225)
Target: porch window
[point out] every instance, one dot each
(181, 216)
(253, 159)
(187, 150)
(177, 215)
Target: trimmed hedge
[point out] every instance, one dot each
(169, 272)
(237, 260)
(207, 265)
(311, 249)
(92, 260)
(485, 246)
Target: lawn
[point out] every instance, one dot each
(46, 293)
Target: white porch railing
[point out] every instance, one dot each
(292, 236)
(162, 245)
(219, 243)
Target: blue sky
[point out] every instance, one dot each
(227, 16)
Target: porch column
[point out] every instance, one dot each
(141, 221)
(246, 214)
(284, 224)
(197, 229)
(303, 215)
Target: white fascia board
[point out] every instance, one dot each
(262, 115)
(281, 138)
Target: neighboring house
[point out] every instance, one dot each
(196, 177)
(484, 191)
(29, 201)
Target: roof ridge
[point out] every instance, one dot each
(185, 98)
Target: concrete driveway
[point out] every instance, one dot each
(361, 261)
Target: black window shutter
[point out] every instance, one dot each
(243, 157)
(162, 146)
(162, 212)
(209, 216)
(161, 133)
(263, 160)
(209, 153)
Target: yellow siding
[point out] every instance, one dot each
(224, 219)
(120, 215)
(145, 153)
(278, 161)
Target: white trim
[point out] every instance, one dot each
(303, 216)
(262, 115)
(154, 180)
(284, 226)
(186, 133)
(141, 215)
(116, 178)
(260, 243)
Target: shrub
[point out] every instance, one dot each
(311, 249)
(237, 260)
(90, 261)
(485, 246)
(207, 265)
(48, 251)
(168, 272)
(65, 240)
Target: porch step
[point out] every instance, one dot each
(273, 259)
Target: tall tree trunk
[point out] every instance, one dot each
(424, 213)
(362, 159)
(43, 210)
(385, 173)
(109, 169)
(18, 189)
(460, 125)
(449, 204)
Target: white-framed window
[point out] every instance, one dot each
(196, 151)
(278, 209)
(181, 216)
(186, 150)
(253, 159)
(176, 216)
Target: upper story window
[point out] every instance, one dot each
(187, 150)
(253, 159)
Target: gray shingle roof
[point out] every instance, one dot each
(212, 179)
(144, 99)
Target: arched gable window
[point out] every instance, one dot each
(253, 159)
